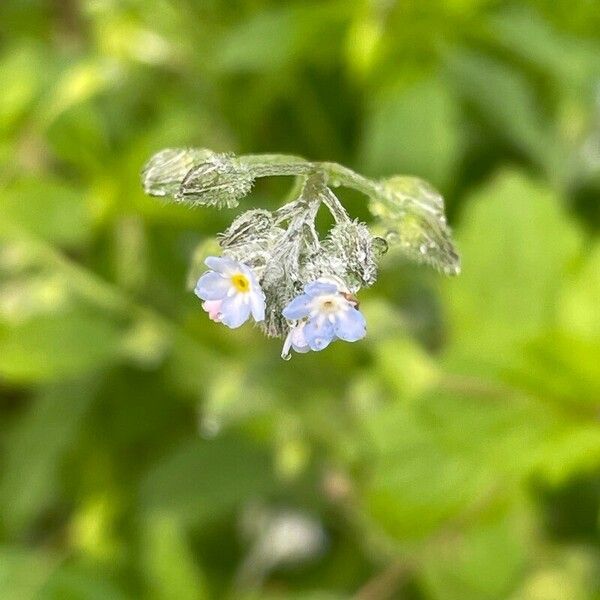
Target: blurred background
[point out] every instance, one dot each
(146, 452)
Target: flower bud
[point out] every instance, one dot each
(220, 180)
(163, 173)
(411, 212)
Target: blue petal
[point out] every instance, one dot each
(317, 288)
(297, 308)
(300, 349)
(234, 311)
(318, 333)
(222, 264)
(350, 325)
(298, 339)
(257, 304)
(212, 286)
(295, 339)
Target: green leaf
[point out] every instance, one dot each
(21, 78)
(34, 449)
(414, 130)
(485, 561)
(57, 346)
(434, 458)
(562, 367)
(564, 574)
(78, 83)
(273, 39)
(203, 480)
(572, 450)
(580, 299)
(48, 208)
(569, 60)
(23, 573)
(517, 245)
(22, 297)
(168, 562)
(407, 369)
(506, 99)
(81, 582)
(80, 137)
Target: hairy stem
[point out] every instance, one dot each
(268, 165)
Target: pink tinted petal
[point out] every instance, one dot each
(213, 308)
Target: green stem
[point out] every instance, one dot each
(268, 165)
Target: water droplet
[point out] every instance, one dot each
(286, 356)
(380, 246)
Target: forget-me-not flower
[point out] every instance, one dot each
(230, 292)
(325, 312)
(295, 339)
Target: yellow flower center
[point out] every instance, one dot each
(240, 283)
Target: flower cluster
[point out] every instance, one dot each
(295, 285)
(326, 311)
(274, 266)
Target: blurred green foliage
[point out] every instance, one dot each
(148, 453)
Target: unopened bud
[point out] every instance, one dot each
(163, 173)
(219, 181)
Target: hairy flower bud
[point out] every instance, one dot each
(354, 246)
(279, 289)
(411, 212)
(250, 226)
(252, 238)
(218, 181)
(163, 173)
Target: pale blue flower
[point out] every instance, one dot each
(230, 292)
(295, 339)
(324, 312)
